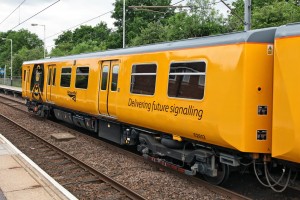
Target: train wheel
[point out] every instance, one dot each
(222, 176)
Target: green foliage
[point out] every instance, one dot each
(138, 19)
(26, 46)
(25, 54)
(201, 20)
(276, 14)
(266, 13)
(89, 46)
(83, 39)
(153, 33)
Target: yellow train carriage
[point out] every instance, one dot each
(213, 91)
(286, 109)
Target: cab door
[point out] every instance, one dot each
(108, 93)
(26, 81)
(50, 81)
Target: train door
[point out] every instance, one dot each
(50, 81)
(26, 77)
(109, 87)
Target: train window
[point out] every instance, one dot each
(82, 77)
(104, 77)
(187, 80)
(49, 75)
(53, 78)
(24, 75)
(65, 79)
(143, 79)
(114, 81)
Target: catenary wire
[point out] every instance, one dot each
(35, 15)
(79, 24)
(12, 12)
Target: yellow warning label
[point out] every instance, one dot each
(270, 49)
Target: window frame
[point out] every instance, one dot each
(61, 74)
(82, 74)
(143, 74)
(189, 74)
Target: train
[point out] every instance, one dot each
(208, 105)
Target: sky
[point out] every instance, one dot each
(60, 16)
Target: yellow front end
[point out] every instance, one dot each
(286, 112)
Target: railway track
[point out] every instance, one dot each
(15, 104)
(70, 172)
(228, 193)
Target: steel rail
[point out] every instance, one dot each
(119, 187)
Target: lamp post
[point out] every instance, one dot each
(44, 36)
(11, 66)
(124, 24)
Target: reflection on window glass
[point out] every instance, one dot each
(143, 79)
(114, 81)
(65, 79)
(82, 77)
(49, 75)
(24, 75)
(187, 80)
(104, 77)
(54, 74)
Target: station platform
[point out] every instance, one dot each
(11, 89)
(22, 179)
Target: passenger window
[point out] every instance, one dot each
(65, 79)
(82, 77)
(53, 78)
(187, 80)
(24, 75)
(114, 81)
(49, 75)
(104, 77)
(143, 79)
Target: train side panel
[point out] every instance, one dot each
(78, 89)
(228, 113)
(286, 112)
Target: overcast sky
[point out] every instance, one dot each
(59, 17)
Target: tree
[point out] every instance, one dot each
(137, 20)
(89, 46)
(65, 37)
(21, 39)
(153, 33)
(82, 39)
(201, 20)
(25, 54)
(266, 13)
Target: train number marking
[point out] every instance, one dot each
(199, 136)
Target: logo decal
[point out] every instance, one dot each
(72, 95)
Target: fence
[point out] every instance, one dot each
(16, 81)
